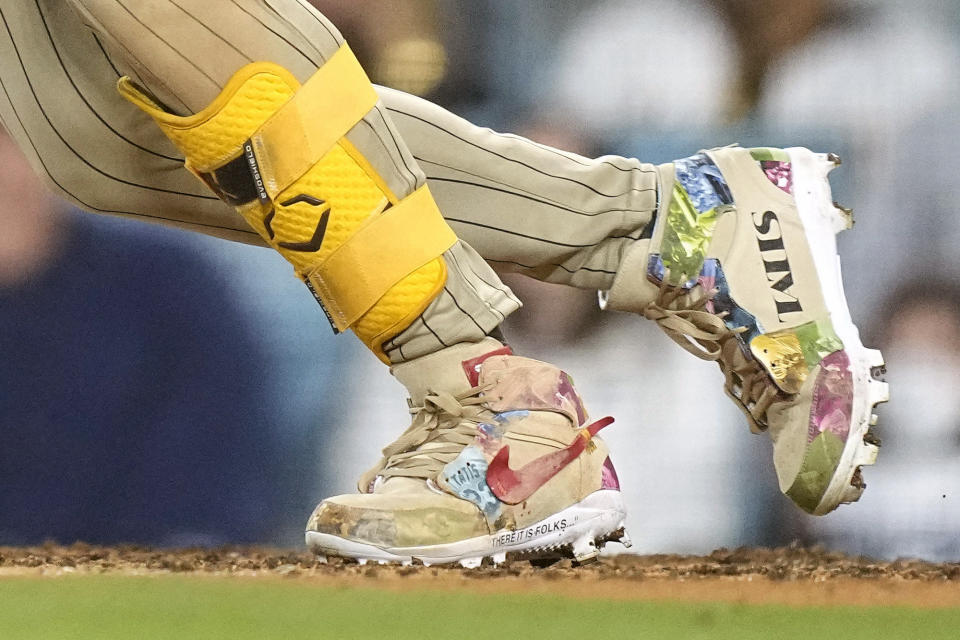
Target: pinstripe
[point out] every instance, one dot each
(423, 321)
(73, 196)
(78, 154)
(55, 49)
(208, 29)
(572, 157)
(499, 286)
(556, 243)
(171, 47)
(510, 190)
(102, 49)
(415, 177)
(515, 160)
(462, 310)
(279, 35)
(557, 266)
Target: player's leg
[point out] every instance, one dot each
(316, 168)
(549, 214)
(526, 207)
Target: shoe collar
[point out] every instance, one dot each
(454, 370)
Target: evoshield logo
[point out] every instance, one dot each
(775, 262)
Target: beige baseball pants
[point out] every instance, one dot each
(523, 207)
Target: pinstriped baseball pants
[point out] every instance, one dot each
(524, 207)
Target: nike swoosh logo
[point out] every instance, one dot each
(514, 486)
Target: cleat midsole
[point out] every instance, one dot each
(595, 517)
(821, 221)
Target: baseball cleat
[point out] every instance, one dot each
(500, 461)
(741, 267)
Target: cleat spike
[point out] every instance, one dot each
(834, 159)
(585, 550)
(852, 493)
(471, 563)
(856, 480)
(867, 454)
(874, 419)
(846, 216)
(499, 558)
(625, 540)
(879, 392)
(362, 561)
(874, 358)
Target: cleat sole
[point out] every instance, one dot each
(579, 531)
(822, 220)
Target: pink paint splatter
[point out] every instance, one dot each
(779, 173)
(832, 403)
(610, 479)
(565, 390)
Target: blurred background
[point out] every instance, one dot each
(160, 387)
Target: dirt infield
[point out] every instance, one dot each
(790, 575)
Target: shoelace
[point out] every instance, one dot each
(683, 316)
(440, 430)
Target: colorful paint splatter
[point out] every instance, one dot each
(791, 355)
(467, 478)
(712, 277)
(832, 398)
(700, 196)
(780, 174)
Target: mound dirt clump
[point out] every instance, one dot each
(792, 563)
(794, 575)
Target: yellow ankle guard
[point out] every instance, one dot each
(277, 152)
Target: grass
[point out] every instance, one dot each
(78, 608)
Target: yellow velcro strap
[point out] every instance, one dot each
(384, 251)
(323, 110)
